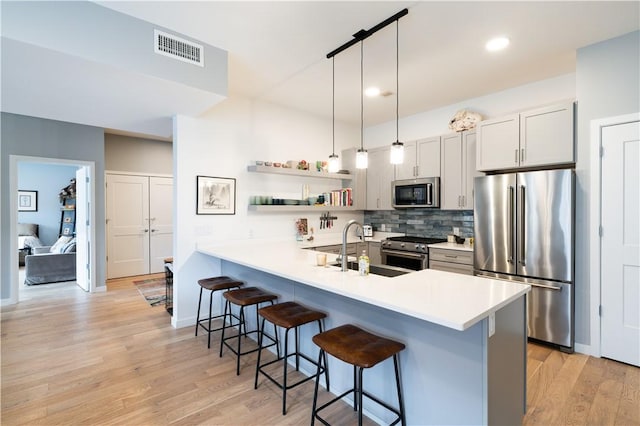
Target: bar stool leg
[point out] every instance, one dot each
(284, 380)
(242, 321)
(400, 399)
(224, 323)
(359, 393)
(321, 356)
(255, 383)
(355, 387)
(210, 310)
(198, 314)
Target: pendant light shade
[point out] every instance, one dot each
(362, 157)
(334, 160)
(334, 163)
(396, 154)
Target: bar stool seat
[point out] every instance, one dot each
(243, 297)
(289, 315)
(361, 349)
(213, 284)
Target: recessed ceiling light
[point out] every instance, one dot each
(372, 92)
(497, 43)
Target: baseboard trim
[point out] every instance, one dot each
(585, 349)
(8, 302)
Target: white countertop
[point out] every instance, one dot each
(452, 246)
(448, 299)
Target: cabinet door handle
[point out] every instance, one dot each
(517, 155)
(463, 201)
(522, 155)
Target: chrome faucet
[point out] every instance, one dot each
(343, 253)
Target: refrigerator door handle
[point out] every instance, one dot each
(510, 215)
(522, 225)
(547, 286)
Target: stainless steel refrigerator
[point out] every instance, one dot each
(524, 231)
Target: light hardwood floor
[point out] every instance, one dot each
(74, 358)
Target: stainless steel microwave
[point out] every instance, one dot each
(424, 192)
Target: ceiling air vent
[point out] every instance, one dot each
(178, 48)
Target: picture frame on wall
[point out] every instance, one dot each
(27, 201)
(215, 195)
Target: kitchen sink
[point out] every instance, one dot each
(382, 270)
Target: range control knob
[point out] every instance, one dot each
(423, 247)
(417, 246)
(402, 245)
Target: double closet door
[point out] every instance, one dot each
(139, 224)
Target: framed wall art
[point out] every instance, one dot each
(27, 201)
(216, 195)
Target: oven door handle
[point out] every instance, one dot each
(404, 253)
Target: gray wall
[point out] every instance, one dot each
(48, 180)
(30, 136)
(607, 85)
(138, 155)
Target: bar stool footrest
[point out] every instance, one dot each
(200, 322)
(364, 393)
(245, 334)
(293, 385)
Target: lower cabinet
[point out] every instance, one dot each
(372, 248)
(337, 248)
(459, 261)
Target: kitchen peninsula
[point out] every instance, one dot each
(465, 336)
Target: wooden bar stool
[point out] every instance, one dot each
(289, 315)
(363, 350)
(213, 284)
(244, 297)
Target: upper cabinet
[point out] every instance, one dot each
(458, 170)
(421, 159)
(379, 178)
(539, 137)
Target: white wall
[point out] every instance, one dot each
(222, 143)
(436, 122)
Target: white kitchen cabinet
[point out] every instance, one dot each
(538, 137)
(379, 178)
(546, 136)
(498, 143)
(458, 170)
(421, 159)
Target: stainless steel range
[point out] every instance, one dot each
(407, 252)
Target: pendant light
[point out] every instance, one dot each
(396, 154)
(334, 160)
(362, 158)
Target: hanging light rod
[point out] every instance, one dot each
(363, 34)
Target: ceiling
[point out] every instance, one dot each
(277, 51)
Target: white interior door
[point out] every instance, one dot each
(620, 243)
(83, 234)
(161, 222)
(127, 225)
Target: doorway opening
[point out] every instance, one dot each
(84, 231)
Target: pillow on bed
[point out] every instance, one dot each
(58, 246)
(25, 241)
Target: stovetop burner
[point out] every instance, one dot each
(417, 240)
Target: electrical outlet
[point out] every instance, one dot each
(456, 230)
